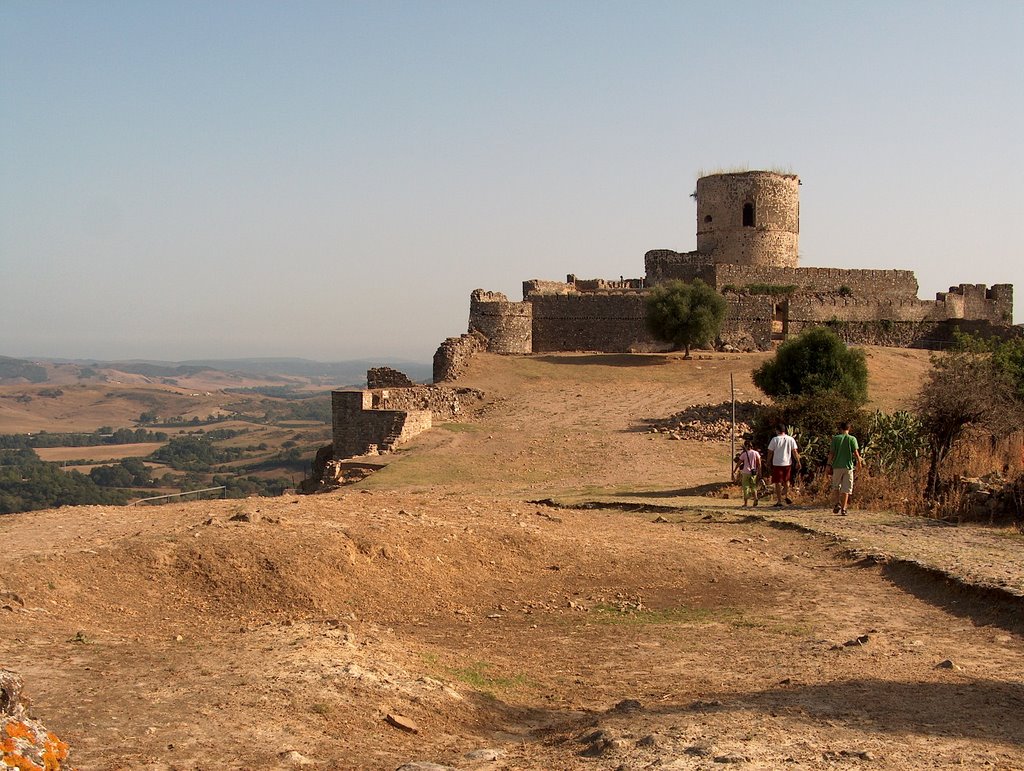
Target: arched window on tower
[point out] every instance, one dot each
(748, 215)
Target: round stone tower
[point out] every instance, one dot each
(508, 326)
(749, 218)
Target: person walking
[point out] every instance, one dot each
(749, 464)
(783, 457)
(843, 457)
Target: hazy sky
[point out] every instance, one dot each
(332, 179)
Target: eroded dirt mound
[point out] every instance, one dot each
(367, 630)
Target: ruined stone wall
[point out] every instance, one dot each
(665, 265)
(454, 354)
(442, 402)
(386, 377)
(612, 322)
(859, 283)
(771, 237)
(976, 301)
(819, 309)
(508, 326)
(748, 322)
(358, 429)
(907, 334)
(536, 286)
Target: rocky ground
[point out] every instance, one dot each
(432, 616)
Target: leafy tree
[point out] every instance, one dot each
(1007, 355)
(964, 391)
(28, 483)
(111, 476)
(816, 362)
(194, 453)
(684, 314)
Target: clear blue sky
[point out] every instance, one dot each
(332, 179)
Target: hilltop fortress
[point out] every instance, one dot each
(748, 230)
(748, 233)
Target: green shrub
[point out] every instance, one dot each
(775, 290)
(816, 362)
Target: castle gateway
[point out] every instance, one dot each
(748, 231)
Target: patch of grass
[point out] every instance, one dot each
(321, 708)
(772, 626)
(612, 614)
(459, 428)
(477, 675)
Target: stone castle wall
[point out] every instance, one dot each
(358, 429)
(590, 322)
(508, 326)
(444, 403)
(748, 226)
(859, 283)
(387, 377)
(666, 265)
(452, 357)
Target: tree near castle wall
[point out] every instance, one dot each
(684, 314)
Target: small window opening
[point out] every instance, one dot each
(748, 215)
(707, 219)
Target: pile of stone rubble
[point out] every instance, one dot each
(707, 422)
(993, 495)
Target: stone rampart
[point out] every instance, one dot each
(857, 283)
(454, 354)
(907, 334)
(442, 402)
(358, 429)
(666, 265)
(977, 301)
(508, 326)
(535, 286)
(612, 322)
(748, 322)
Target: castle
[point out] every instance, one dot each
(748, 229)
(748, 232)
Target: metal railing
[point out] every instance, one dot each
(179, 495)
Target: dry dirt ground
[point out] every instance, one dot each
(276, 633)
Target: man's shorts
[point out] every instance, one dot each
(842, 480)
(780, 474)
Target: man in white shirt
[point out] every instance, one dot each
(783, 457)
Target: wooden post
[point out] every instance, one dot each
(732, 440)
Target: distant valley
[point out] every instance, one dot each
(88, 431)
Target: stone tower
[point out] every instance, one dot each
(749, 218)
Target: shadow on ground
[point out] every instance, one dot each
(982, 605)
(983, 708)
(609, 360)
